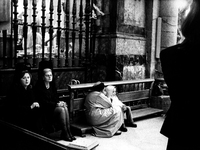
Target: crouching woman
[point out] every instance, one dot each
(105, 119)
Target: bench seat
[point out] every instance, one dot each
(145, 112)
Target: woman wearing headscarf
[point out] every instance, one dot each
(105, 119)
(111, 93)
(24, 107)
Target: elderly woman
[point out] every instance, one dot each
(52, 109)
(111, 93)
(105, 119)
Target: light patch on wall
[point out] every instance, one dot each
(133, 72)
(133, 46)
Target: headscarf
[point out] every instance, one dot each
(109, 90)
(98, 86)
(20, 70)
(44, 65)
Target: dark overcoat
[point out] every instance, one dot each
(48, 100)
(18, 106)
(180, 64)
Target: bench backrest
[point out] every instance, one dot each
(135, 99)
(134, 95)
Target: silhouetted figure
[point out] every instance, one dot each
(180, 64)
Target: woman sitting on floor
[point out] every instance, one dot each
(105, 119)
(111, 93)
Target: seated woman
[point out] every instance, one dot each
(105, 119)
(52, 109)
(23, 106)
(111, 93)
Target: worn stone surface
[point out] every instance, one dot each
(168, 39)
(168, 8)
(169, 15)
(131, 17)
(133, 72)
(130, 46)
(169, 24)
(136, 16)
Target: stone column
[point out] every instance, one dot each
(169, 15)
(168, 12)
(152, 13)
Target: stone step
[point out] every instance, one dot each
(144, 112)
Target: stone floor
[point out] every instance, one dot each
(145, 137)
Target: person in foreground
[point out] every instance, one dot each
(53, 110)
(24, 109)
(105, 119)
(180, 65)
(111, 93)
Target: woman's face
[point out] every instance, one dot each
(48, 76)
(114, 91)
(26, 79)
(110, 91)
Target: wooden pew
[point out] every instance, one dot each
(134, 93)
(15, 137)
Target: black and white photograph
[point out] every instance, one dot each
(99, 74)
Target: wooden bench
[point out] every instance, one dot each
(63, 95)
(134, 93)
(15, 137)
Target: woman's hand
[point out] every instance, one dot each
(124, 107)
(61, 104)
(35, 104)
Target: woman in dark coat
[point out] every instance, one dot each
(52, 109)
(24, 108)
(180, 64)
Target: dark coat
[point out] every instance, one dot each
(180, 66)
(47, 99)
(19, 101)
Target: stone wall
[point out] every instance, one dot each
(131, 55)
(131, 41)
(121, 41)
